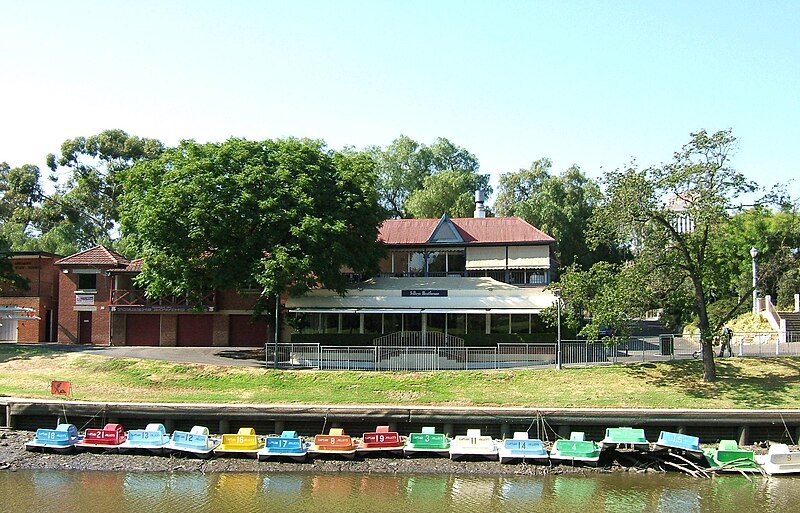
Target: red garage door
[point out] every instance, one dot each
(142, 330)
(195, 330)
(245, 333)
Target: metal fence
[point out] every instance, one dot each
(516, 356)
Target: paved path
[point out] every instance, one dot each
(239, 356)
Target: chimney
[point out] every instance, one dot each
(479, 210)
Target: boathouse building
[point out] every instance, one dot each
(481, 280)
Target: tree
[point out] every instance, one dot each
(608, 292)
(404, 166)
(451, 191)
(559, 205)
(95, 168)
(286, 214)
(645, 208)
(21, 193)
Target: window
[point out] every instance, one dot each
(499, 323)
(372, 323)
(436, 322)
(351, 323)
(520, 323)
(476, 323)
(457, 324)
(87, 282)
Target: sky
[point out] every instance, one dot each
(598, 84)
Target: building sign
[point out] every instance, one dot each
(60, 387)
(84, 299)
(424, 293)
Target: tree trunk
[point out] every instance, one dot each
(709, 367)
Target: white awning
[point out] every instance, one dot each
(486, 257)
(528, 257)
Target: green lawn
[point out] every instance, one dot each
(26, 371)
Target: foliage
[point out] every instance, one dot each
(451, 191)
(288, 214)
(606, 292)
(559, 205)
(404, 166)
(645, 209)
(88, 198)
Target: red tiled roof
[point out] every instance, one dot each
(98, 255)
(474, 230)
(134, 266)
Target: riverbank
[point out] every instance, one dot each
(743, 383)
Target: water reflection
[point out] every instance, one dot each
(90, 492)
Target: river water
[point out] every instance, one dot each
(149, 492)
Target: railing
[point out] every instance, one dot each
(516, 277)
(419, 338)
(574, 353)
(134, 297)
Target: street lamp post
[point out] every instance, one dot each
(558, 329)
(754, 254)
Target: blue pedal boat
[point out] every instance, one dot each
(198, 442)
(62, 439)
(288, 445)
(522, 448)
(684, 445)
(152, 438)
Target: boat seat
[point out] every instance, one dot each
(336, 432)
(471, 433)
(199, 430)
(246, 431)
(577, 436)
(382, 429)
(520, 435)
(289, 434)
(428, 430)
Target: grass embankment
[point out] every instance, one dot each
(743, 383)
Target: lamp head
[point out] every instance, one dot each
(753, 252)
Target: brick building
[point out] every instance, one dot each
(100, 304)
(31, 315)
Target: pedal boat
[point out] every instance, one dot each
(197, 442)
(335, 443)
(576, 450)
(473, 444)
(62, 439)
(427, 442)
(677, 443)
(381, 441)
(520, 447)
(244, 443)
(625, 438)
(287, 445)
(152, 438)
(779, 460)
(109, 438)
(728, 457)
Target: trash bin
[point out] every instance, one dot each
(667, 344)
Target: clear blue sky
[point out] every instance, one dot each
(590, 83)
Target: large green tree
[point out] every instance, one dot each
(405, 165)
(451, 191)
(88, 175)
(560, 205)
(286, 214)
(671, 217)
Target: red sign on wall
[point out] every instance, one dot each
(59, 387)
